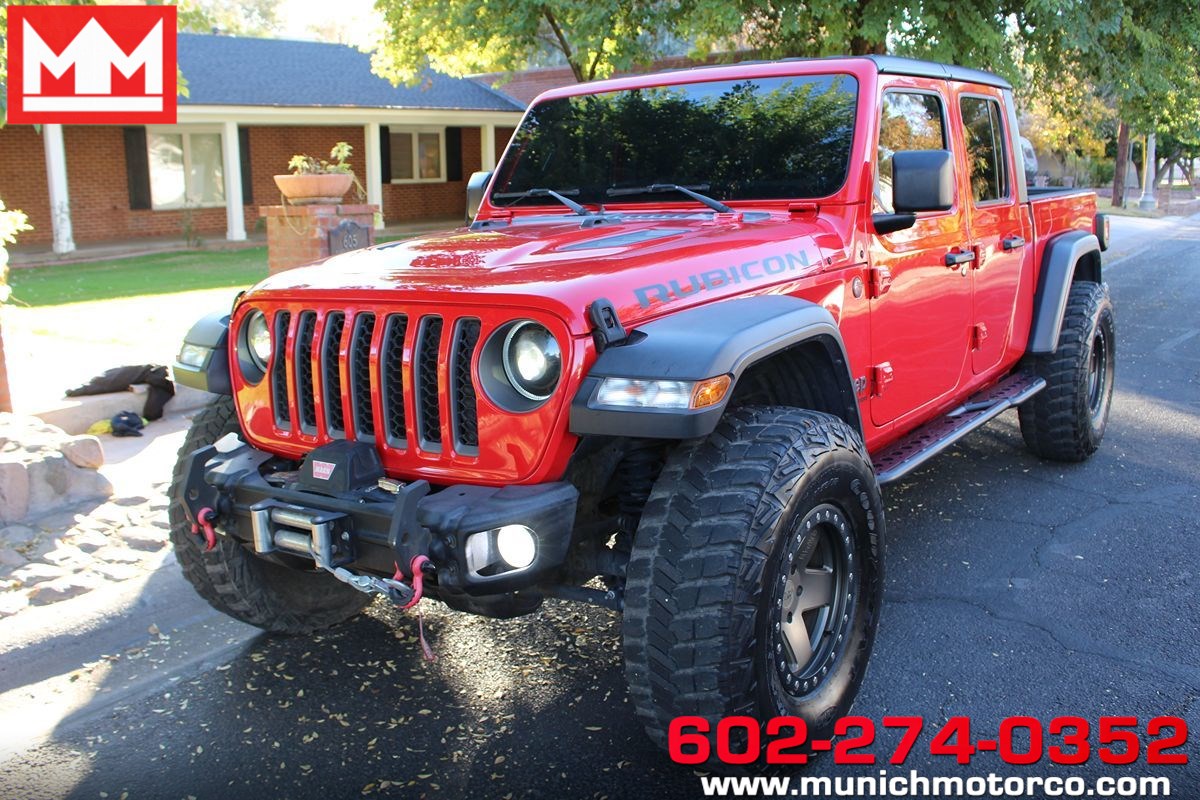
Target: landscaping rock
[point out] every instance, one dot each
(17, 535)
(33, 574)
(62, 589)
(150, 539)
(10, 557)
(84, 451)
(116, 572)
(66, 556)
(36, 476)
(14, 491)
(89, 541)
(117, 555)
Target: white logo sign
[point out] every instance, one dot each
(322, 469)
(94, 55)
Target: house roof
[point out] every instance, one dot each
(238, 71)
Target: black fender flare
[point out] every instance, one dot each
(207, 349)
(722, 338)
(1059, 264)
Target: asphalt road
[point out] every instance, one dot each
(1014, 587)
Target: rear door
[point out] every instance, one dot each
(997, 223)
(920, 307)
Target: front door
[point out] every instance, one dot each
(920, 307)
(998, 227)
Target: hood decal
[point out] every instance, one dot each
(747, 271)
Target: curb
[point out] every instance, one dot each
(76, 414)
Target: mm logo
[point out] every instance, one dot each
(94, 64)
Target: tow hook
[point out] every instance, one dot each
(204, 522)
(399, 593)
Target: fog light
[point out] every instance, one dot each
(517, 545)
(193, 355)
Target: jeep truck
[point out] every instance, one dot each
(698, 318)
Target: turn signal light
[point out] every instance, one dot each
(710, 392)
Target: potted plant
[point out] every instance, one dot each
(315, 180)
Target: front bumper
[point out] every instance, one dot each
(355, 519)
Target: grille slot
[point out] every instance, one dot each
(331, 374)
(429, 414)
(305, 398)
(391, 369)
(360, 376)
(463, 413)
(279, 385)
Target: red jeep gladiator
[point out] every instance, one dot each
(698, 318)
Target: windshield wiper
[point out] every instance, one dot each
(559, 196)
(656, 188)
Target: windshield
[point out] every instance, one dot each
(761, 138)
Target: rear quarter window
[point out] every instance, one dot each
(983, 137)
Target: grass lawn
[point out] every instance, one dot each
(1130, 210)
(156, 274)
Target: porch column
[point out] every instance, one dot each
(235, 212)
(374, 168)
(56, 177)
(487, 147)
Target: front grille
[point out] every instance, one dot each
(462, 388)
(279, 381)
(429, 413)
(360, 375)
(331, 374)
(304, 371)
(391, 357)
(406, 361)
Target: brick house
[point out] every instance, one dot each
(253, 104)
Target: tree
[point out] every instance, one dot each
(462, 37)
(1143, 55)
(972, 32)
(246, 18)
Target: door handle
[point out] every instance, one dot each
(960, 258)
(1013, 242)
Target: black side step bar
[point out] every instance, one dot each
(902, 457)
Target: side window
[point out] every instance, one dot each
(909, 121)
(985, 148)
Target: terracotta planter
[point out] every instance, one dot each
(303, 190)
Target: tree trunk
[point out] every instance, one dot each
(1122, 166)
(5, 396)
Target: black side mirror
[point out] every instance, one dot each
(922, 180)
(476, 184)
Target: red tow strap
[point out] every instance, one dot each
(418, 585)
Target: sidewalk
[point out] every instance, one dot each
(1132, 234)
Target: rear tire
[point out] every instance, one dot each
(777, 510)
(1066, 420)
(235, 581)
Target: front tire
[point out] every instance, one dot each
(1066, 420)
(235, 581)
(756, 577)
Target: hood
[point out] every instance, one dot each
(646, 264)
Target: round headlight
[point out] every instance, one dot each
(532, 360)
(258, 339)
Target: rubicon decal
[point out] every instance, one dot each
(747, 271)
(91, 65)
